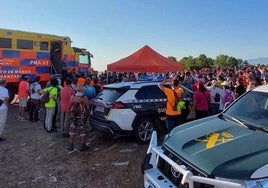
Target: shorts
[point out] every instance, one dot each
(22, 102)
(80, 124)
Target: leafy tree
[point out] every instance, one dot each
(231, 62)
(188, 62)
(172, 58)
(204, 61)
(221, 60)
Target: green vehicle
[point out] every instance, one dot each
(228, 150)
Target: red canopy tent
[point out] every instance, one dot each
(145, 60)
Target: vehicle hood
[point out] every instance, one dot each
(220, 147)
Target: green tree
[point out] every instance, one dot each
(204, 61)
(172, 58)
(188, 62)
(231, 62)
(221, 60)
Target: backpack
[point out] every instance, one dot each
(45, 97)
(78, 109)
(179, 104)
(228, 97)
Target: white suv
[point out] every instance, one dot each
(131, 108)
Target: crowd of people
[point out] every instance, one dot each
(212, 89)
(63, 94)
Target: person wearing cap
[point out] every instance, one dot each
(226, 87)
(201, 100)
(173, 117)
(4, 102)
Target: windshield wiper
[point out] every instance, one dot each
(255, 126)
(236, 120)
(247, 124)
(264, 129)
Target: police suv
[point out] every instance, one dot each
(226, 150)
(131, 109)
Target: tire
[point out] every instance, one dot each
(143, 130)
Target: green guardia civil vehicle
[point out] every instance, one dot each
(228, 150)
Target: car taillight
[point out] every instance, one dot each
(118, 105)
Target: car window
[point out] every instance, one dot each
(187, 94)
(110, 95)
(252, 107)
(150, 92)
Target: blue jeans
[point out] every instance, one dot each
(172, 121)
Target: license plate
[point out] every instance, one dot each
(99, 108)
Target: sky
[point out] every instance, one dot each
(114, 29)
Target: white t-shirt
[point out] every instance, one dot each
(34, 89)
(3, 95)
(213, 92)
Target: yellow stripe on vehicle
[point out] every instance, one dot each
(212, 140)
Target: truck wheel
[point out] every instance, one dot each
(143, 130)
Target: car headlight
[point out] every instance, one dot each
(263, 183)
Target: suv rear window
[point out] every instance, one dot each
(110, 95)
(150, 92)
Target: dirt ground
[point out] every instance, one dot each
(31, 157)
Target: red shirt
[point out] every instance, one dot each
(65, 95)
(23, 89)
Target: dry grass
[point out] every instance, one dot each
(30, 157)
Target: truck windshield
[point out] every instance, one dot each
(252, 107)
(84, 59)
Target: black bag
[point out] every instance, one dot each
(45, 97)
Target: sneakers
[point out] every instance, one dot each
(70, 147)
(84, 147)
